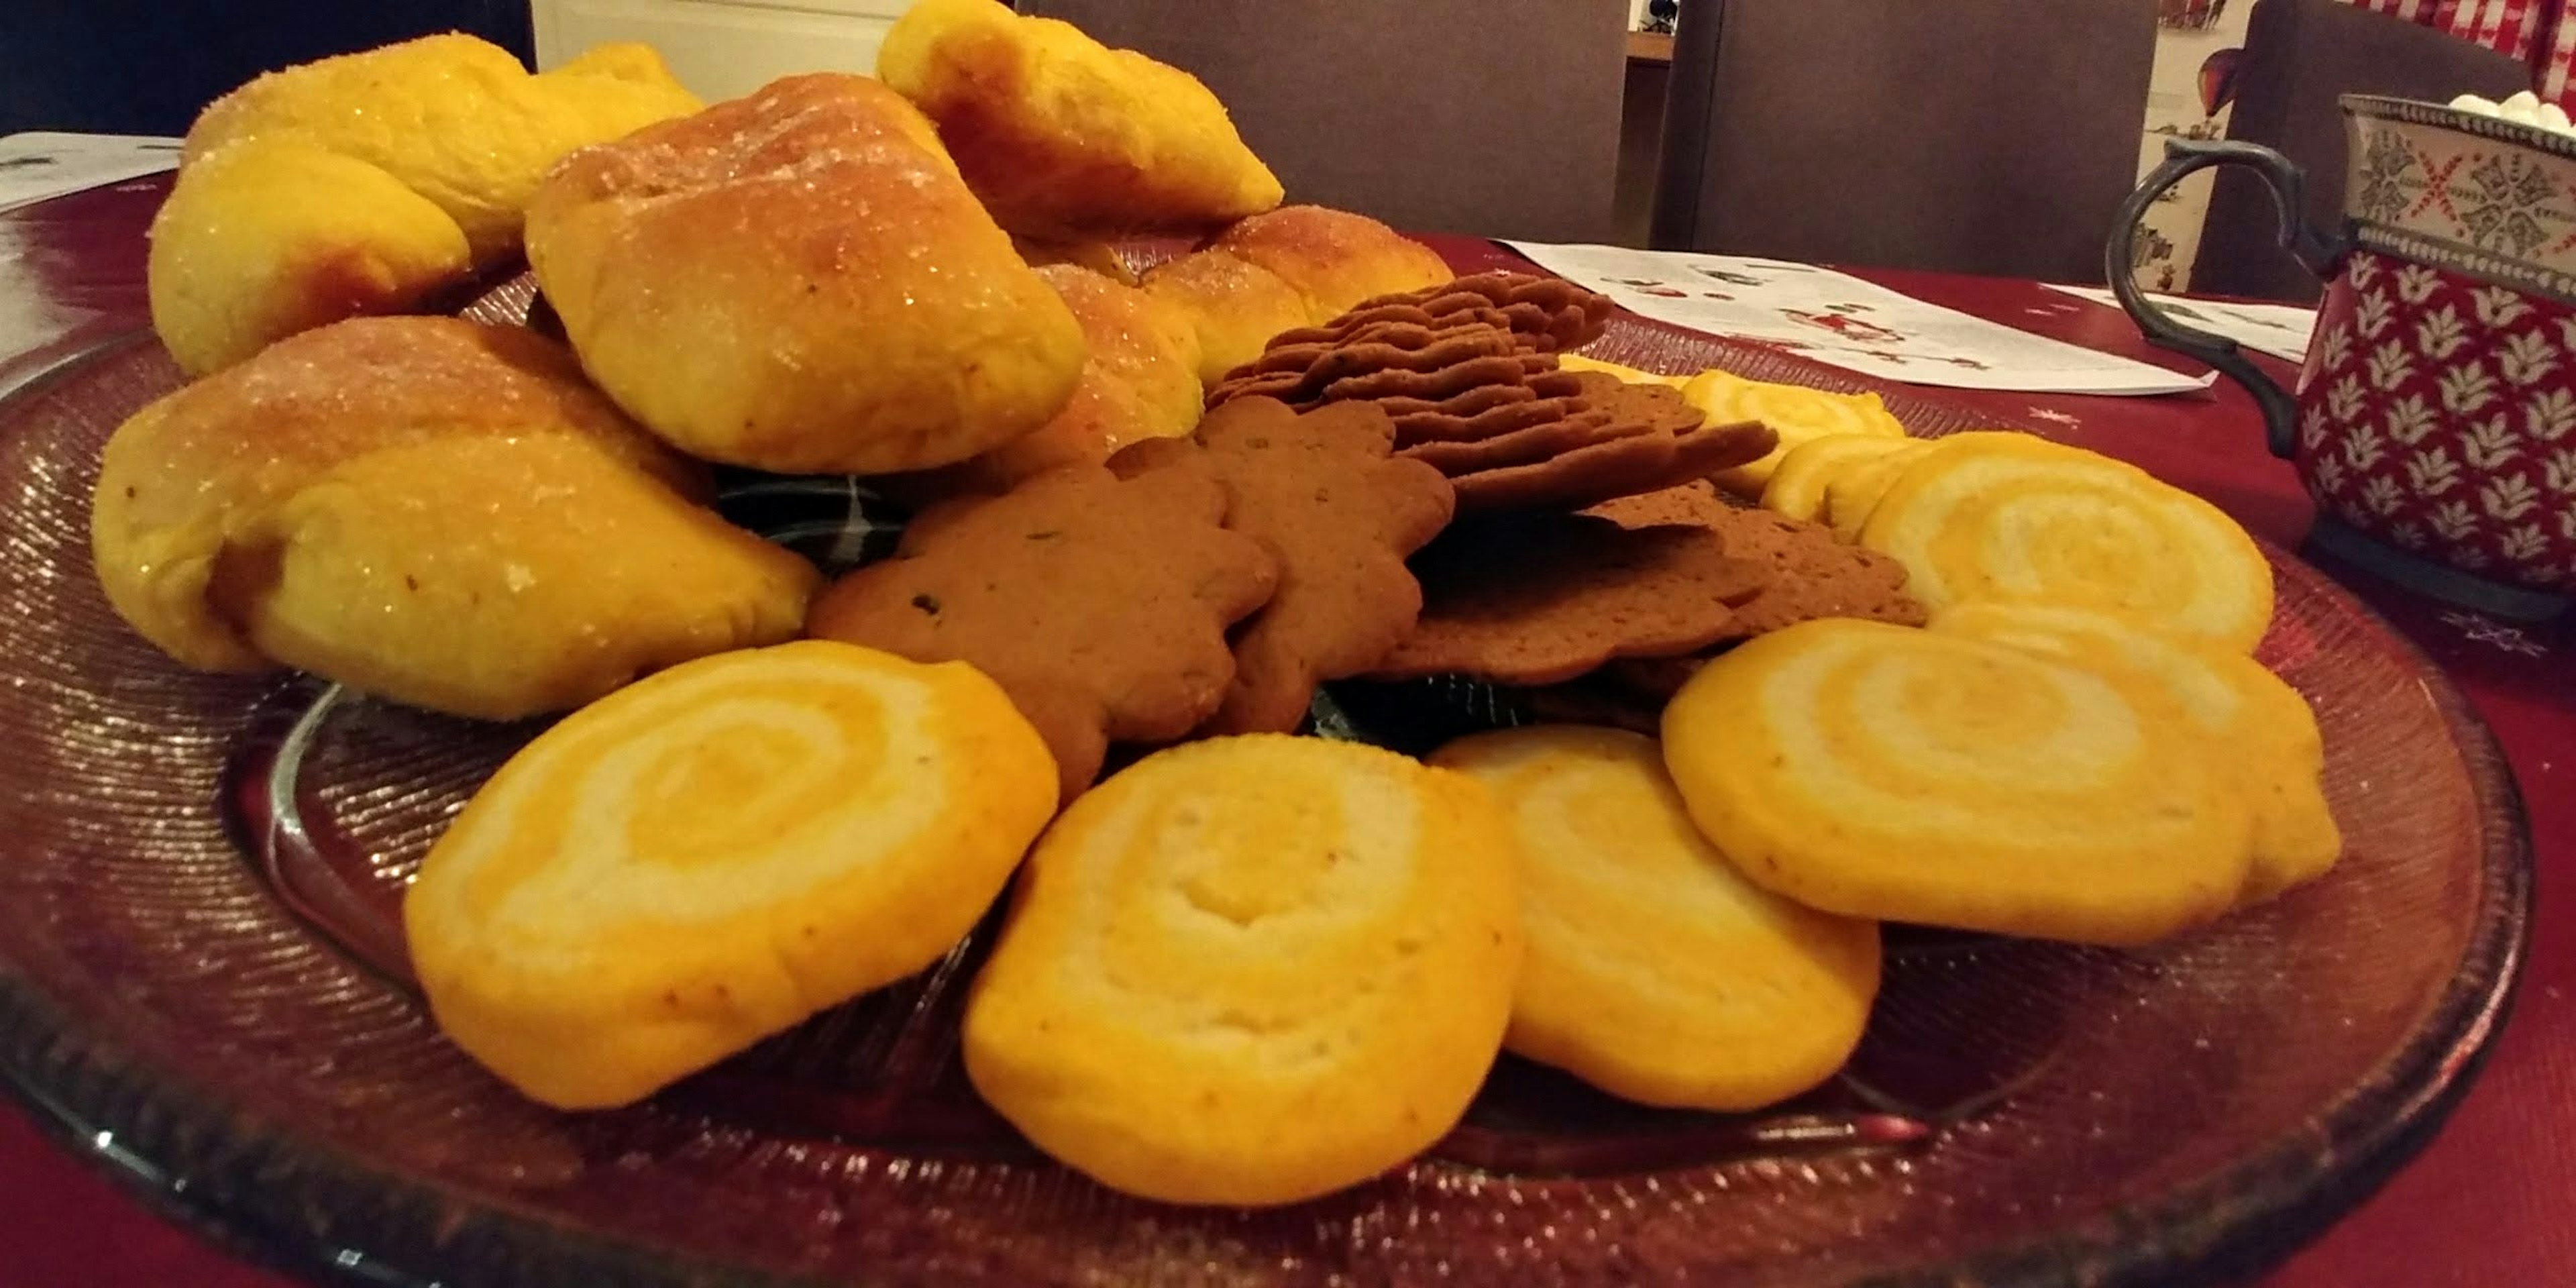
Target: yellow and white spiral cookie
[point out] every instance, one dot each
(2254, 720)
(1797, 486)
(1252, 970)
(710, 855)
(1632, 375)
(2001, 516)
(1797, 413)
(1853, 488)
(1904, 775)
(1655, 971)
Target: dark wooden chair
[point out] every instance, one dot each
(1496, 117)
(1973, 136)
(2300, 57)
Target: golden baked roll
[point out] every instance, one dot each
(1334, 259)
(2250, 716)
(270, 236)
(1102, 257)
(1654, 970)
(2008, 517)
(1063, 137)
(1140, 382)
(797, 281)
(1233, 307)
(362, 183)
(1252, 970)
(429, 509)
(451, 117)
(711, 855)
(1907, 775)
(1296, 266)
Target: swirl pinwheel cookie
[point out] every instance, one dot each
(1798, 480)
(1654, 970)
(711, 855)
(1797, 413)
(1252, 970)
(1908, 775)
(2001, 516)
(2261, 723)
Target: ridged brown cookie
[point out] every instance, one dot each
(1321, 494)
(1540, 598)
(1810, 575)
(1099, 603)
(1652, 440)
(1549, 314)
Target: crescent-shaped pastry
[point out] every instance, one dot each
(1252, 970)
(1904, 775)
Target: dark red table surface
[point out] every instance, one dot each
(2485, 1206)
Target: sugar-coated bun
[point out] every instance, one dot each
(1140, 382)
(432, 510)
(1655, 971)
(1333, 258)
(713, 854)
(1063, 137)
(797, 281)
(1909, 775)
(453, 118)
(266, 237)
(1252, 970)
(363, 183)
(1233, 307)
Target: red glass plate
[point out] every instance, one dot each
(202, 977)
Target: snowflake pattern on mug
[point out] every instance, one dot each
(2440, 416)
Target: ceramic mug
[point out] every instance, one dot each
(2435, 419)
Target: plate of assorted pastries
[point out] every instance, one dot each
(919, 678)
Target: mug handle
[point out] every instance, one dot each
(2320, 252)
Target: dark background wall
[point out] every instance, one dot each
(110, 66)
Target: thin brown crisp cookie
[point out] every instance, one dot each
(1540, 442)
(1550, 314)
(1419, 360)
(1099, 604)
(1811, 575)
(1541, 598)
(1659, 443)
(1321, 494)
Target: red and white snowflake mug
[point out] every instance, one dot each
(2435, 420)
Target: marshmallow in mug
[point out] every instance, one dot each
(2525, 107)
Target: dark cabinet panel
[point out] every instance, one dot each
(90, 65)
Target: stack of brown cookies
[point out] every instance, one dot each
(1206, 585)
(1468, 373)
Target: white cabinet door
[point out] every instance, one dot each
(724, 48)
